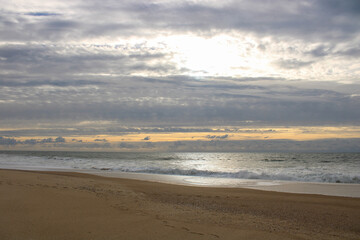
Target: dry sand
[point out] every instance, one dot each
(61, 205)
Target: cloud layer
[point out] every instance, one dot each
(177, 63)
(59, 21)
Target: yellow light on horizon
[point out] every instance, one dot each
(299, 133)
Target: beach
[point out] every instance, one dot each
(66, 205)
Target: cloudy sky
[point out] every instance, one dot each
(143, 74)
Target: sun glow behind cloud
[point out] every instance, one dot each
(216, 56)
(232, 54)
(239, 54)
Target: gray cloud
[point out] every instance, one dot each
(292, 63)
(321, 51)
(279, 17)
(217, 137)
(127, 145)
(112, 128)
(41, 14)
(12, 141)
(7, 141)
(351, 52)
(37, 60)
(28, 82)
(59, 139)
(135, 100)
(305, 19)
(328, 145)
(329, 50)
(69, 64)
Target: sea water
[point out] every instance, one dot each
(304, 167)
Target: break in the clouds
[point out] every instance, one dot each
(172, 64)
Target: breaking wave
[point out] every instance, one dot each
(331, 168)
(246, 174)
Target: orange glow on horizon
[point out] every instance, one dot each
(276, 133)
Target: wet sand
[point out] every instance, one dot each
(328, 189)
(63, 205)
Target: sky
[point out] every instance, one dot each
(140, 75)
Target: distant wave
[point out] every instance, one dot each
(273, 160)
(167, 158)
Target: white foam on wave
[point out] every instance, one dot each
(247, 174)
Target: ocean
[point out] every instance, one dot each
(303, 167)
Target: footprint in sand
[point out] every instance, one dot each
(214, 235)
(167, 225)
(197, 233)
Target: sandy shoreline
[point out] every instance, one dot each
(64, 205)
(320, 188)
